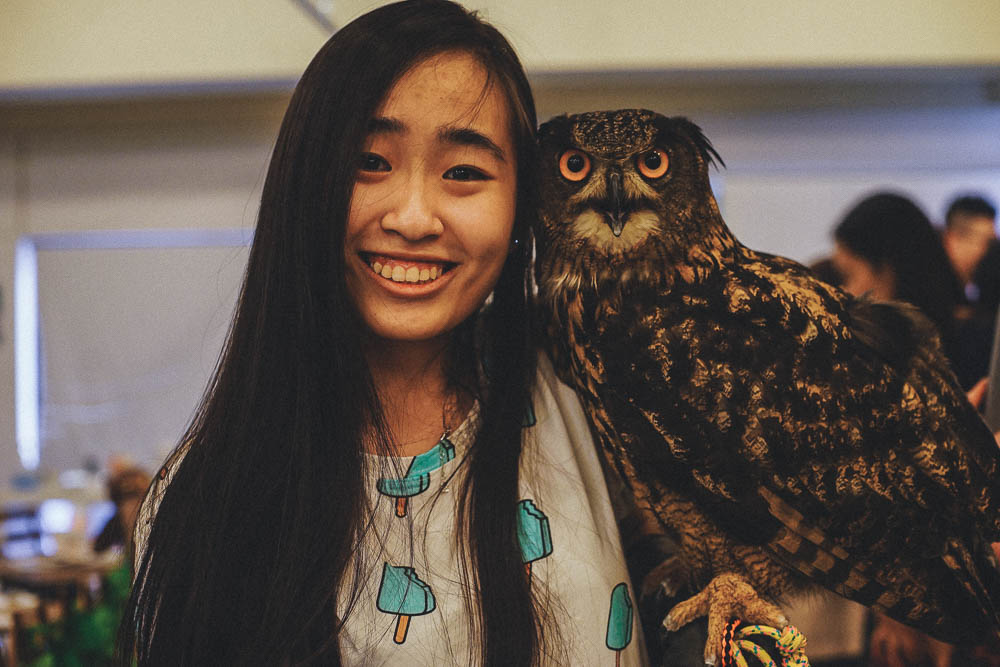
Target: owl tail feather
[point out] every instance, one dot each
(952, 597)
(981, 579)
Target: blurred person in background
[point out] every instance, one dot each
(127, 485)
(969, 232)
(969, 238)
(887, 248)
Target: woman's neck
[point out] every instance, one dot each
(417, 403)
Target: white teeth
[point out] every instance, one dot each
(401, 274)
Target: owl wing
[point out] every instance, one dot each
(801, 421)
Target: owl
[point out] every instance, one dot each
(786, 434)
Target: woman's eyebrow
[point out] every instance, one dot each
(384, 125)
(465, 136)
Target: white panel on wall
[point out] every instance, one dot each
(129, 340)
(133, 178)
(794, 214)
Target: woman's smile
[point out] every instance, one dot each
(412, 271)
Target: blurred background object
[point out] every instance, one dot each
(970, 239)
(969, 232)
(127, 485)
(65, 569)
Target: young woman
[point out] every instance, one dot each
(382, 471)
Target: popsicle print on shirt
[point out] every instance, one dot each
(529, 418)
(533, 534)
(619, 633)
(417, 478)
(403, 593)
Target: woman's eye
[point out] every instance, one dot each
(464, 173)
(373, 162)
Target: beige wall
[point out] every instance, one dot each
(108, 43)
(656, 34)
(47, 43)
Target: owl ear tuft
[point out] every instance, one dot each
(697, 137)
(558, 125)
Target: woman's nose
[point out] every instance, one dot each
(414, 216)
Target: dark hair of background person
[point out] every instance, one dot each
(258, 527)
(826, 270)
(970, 205)
(889, 230)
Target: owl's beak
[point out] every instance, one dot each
(615, 216)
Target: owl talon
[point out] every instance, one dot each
(727, 596)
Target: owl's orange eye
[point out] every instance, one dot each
(574, 165)
(653, 164)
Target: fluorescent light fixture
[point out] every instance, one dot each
(27, 401)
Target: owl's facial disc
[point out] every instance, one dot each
(592, 226)
(614, 211)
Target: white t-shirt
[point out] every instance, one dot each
(411, 606)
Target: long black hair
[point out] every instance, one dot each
(259, 525)
(890, 230)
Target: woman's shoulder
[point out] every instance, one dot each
(556, 402)
(545, 373)
(548, 381)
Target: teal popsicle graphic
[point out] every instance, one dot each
(403, 593)
(529, 419)
(619, 621)
(417, 478)
(533, 533)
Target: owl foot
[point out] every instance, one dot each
(726, 597)
(671, 576)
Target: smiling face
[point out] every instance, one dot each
(433, 205)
